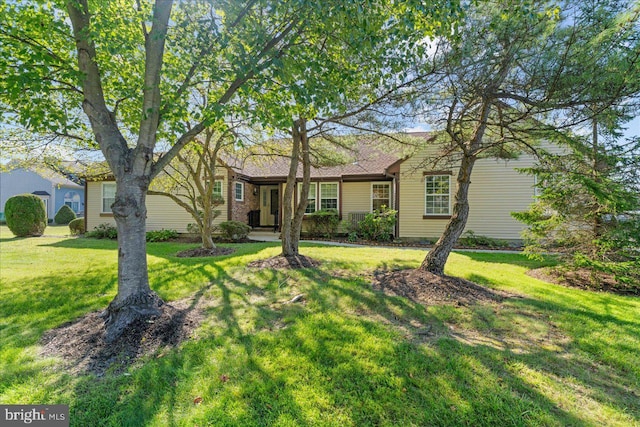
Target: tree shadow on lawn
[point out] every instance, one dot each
(347, 356)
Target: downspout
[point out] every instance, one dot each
(86, 194)
(396, 200)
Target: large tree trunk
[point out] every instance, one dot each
(288, 248)
(292, 221)
(437, 257)
(135, 298)
(301, 207)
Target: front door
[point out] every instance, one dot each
(269, 204)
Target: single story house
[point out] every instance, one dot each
(52, 187)
(423, 196)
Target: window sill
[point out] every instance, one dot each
(436, 216)
(106, 214)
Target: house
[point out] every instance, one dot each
(423, 196)
(52, 187)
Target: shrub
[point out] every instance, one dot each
(323, 222)
(103, 231)
(64, 215)
(76, 226)
(161, 235)
(472, 239)
(378, 225)
(234, 230)
(25, 215)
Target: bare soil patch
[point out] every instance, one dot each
(82, 345)
(427, 288)
(293, 262)
(204, 252)
(584, 278)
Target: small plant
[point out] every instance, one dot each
(103, 231)
(234, 230)
(64, 215)
(25, 215)
(193, 228)
(323, 222)
(161, 235)
(378, 225)
(472, 239)
(76, 226)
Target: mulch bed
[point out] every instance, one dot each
(185, 238)
(82, 346)
(400, 244)
(583, 279)
(427, 288)
(204, 252)
(293, 262)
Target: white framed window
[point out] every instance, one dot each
(108, 196)
(329, 194)
(238, 191)
(217, 188)
(380, 196)
(437, 195)
(311, 198)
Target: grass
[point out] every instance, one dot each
(350, 356)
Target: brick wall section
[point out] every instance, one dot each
(240, 210)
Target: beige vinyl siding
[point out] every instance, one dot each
(496, 190)
(93, 207)
(356, 197)
(162, 212)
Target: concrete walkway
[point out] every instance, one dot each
(270, 236)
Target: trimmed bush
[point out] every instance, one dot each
(161, 235)
(323, 223)
(472, 239)
(378, 225)
(64, 215)
(25, 215)
(234, 230)
(103, 231)
(76, 226)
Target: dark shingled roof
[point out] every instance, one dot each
(366, 159)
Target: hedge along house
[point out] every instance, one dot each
(252, 190)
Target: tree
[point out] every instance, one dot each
(121, 78)
(587, 209)
(190, 181)
(509, 80)
(132, 71)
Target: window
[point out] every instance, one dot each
(239, 191)
(217, 188)
(108, 196)
(380, 195)
(328, 195)
(437, 197)
(311, 200)
(72, 199)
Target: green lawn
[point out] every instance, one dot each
(350, 356)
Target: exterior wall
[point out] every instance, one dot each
(496, 190)
(60, 192)
(20, 181)
(356, 197)
(162, 212)
(240, 210)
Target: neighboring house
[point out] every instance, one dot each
(253, 191)
(52, 187)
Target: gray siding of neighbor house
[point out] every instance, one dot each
(20, 181)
